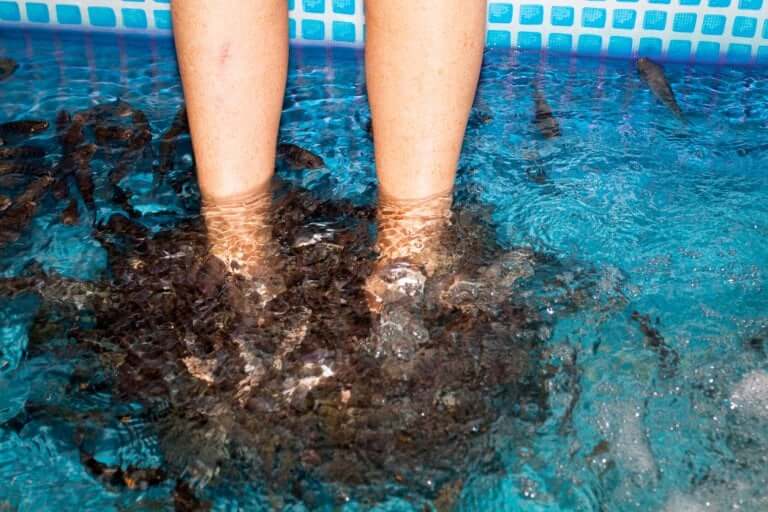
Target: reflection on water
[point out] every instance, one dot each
(587, 333)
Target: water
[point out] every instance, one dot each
(670, 218)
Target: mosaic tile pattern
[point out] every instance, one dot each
(733, 31)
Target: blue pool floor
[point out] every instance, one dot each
(672, 217)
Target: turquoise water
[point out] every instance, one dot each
(673, 216)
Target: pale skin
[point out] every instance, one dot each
(422, 65)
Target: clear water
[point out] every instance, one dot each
(674, 216)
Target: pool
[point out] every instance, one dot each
(654, 371)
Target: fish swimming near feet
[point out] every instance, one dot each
(12, 153)
(299, 158)
(179, 126)
(23, 127)
(7, 67)
(20, 213)
(544, 119)
(653, 74)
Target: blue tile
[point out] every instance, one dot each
(499, 38)
(134, 18)
(719, 3)
(708, 51)
(690, 2)
(619, 46)
(9, 11)
(162, 19)
(344, 31)
(291, 5)
(37, 13)
(499, 13)
(739, 53)
(313, 29)
(531, 15)
(102, 16)
(592, 17)
(68, 14)
(655, 20)
(314, 6)
(762, 55)
(713, 24)
(590, 44)
(684, 22)
(649, 47)
(624, 18)
(560, 42)
(529, 40)
(291, 28)
(658, 1)
(765, 30)
(562, 16)
(344, 6)
(679, 50)
(750, 4)
(744, 26)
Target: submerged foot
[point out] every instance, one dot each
(240, 236)
(410, 247)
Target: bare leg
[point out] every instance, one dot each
(233, 67)
(422, 66)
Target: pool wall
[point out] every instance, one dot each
(720, 31)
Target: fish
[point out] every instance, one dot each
(543, 118)
(71, 214)
(23, 127)
(106, 134)
(179, 126)
(8, 67)
(83, 176)
(299, 158)
(479, 117)
(5, 203)
(14, 167)
(12, 153)
(20, 213)
(104, 111)
(653, 74)
(122, 199)
(670, 359)
(69, 130)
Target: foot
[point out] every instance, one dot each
(409, 243)
(240, 236)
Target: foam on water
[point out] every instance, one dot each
(674, 216)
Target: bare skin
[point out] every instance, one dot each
(422, 65)
(234, 68)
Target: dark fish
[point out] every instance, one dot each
(22, 167)
(70, 215)
(13, 180)
(70, 131)
(7, 67)
(179, 126)
(5, 203)
(61, 188)
(656, 342)
(653, 74)
(543, 118)
(299, 158)
(121, 225)
(12, 153)
(23, 127)
(136, 145)
(18, 215)
(121, 198)
(104, 111)
(83, 176)
(106, 134)
(479, 117)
